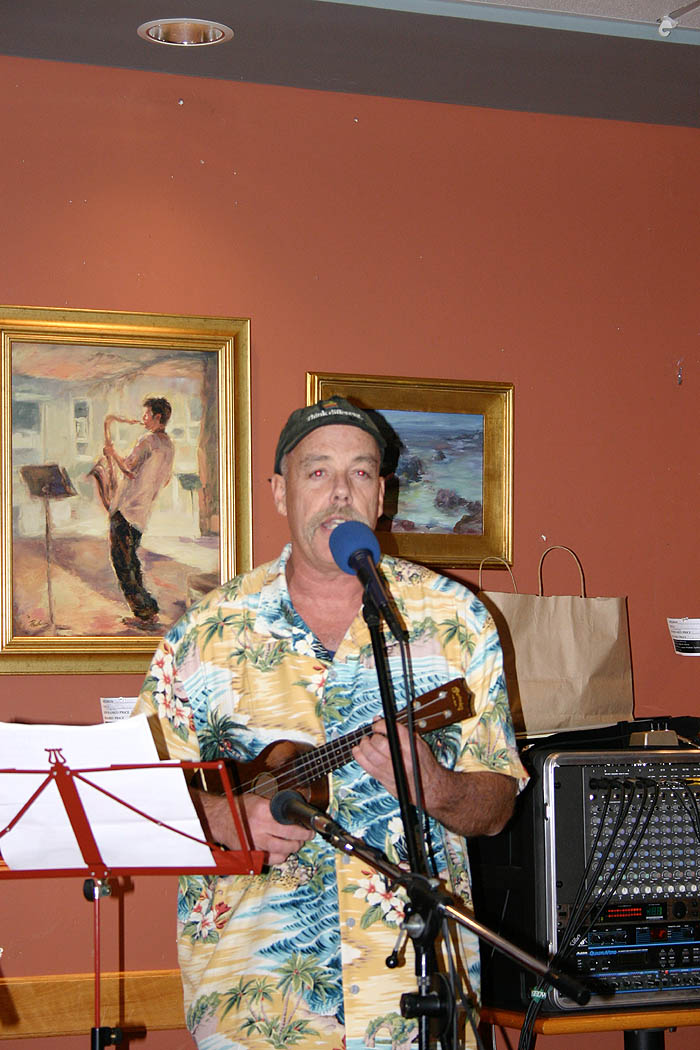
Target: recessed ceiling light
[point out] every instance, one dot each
(185, 31)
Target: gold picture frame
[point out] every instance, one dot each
(479, 443)
(70, 380)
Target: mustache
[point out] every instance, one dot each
(346, 513)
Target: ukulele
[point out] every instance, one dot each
(304, 767)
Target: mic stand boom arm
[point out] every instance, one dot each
(429, 900)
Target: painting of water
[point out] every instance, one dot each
(439, 478)
(448, 463)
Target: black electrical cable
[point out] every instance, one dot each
(687, 799)
(625, 858)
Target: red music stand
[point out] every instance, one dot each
(96, 872)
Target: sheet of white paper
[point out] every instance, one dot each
(43, 837)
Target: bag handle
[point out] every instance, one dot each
(495, 557)
(558, 547)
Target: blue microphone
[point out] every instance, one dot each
(355, 550)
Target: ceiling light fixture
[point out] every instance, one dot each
(188, 32)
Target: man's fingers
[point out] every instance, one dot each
(277, 841)
(290, 839)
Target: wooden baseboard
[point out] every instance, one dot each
(64, 1004)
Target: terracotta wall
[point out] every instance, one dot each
(370, 235)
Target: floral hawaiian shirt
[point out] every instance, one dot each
(297, 954)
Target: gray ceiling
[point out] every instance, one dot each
(580, 57)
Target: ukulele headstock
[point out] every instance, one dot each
(443, 706)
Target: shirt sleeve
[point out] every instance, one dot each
(138, 455)
(490, 741)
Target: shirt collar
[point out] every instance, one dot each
(277, 616)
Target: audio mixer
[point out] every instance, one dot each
(600, 867)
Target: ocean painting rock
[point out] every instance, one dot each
(440, 472)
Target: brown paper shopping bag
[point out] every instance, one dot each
(566, 657)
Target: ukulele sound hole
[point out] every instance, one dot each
(266, 785)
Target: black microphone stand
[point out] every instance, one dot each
(428, 1004)
(435, 1001)
(386, 689)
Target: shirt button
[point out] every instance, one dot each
(354, 988)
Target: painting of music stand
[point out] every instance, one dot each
(47, 483)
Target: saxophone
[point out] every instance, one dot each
(103, 470)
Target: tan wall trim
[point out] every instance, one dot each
(64, 1004)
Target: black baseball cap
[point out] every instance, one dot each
(332, 410)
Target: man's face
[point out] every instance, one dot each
(331, 476)
(150, 421)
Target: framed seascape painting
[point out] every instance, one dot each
(125, 480)
(449, 464)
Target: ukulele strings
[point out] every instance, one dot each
(309, 766)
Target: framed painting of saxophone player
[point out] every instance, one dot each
(448, 466)
(125, 480)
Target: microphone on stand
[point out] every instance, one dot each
(289, 807)
(355, 549)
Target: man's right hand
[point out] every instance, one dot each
(276, 841)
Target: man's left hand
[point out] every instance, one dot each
(474, 803)
(374, 755)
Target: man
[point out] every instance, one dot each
(296, 955)
(144, 472)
